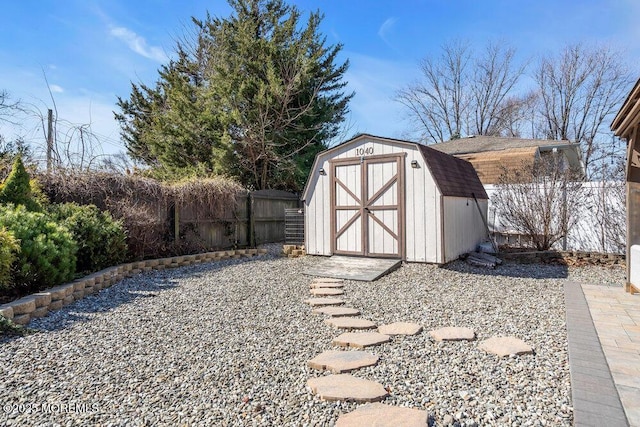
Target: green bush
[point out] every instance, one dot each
(47, 255)
(9, 246)
(101, 240)
(18, 188)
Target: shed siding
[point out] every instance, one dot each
(423, 233)
(317, 217)
(463, 226)
(421, 205)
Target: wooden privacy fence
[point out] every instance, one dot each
(258, 217)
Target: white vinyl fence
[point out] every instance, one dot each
(601, 226)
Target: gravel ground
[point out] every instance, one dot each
(227, 343)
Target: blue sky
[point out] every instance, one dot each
(90, 51)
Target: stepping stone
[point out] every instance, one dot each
(381, 415)
(342, 361)
(350, 323)
(337, 311)
(347, 387)
(317, 285)
(326, 291)
(324, 301)
(452, 334)
(505, 346)
(400, 328)
(327, 280)
(360, 339)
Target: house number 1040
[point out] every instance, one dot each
(361, 151)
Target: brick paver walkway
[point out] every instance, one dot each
(616, 317)
(593, 393)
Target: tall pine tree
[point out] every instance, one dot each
(255, 96)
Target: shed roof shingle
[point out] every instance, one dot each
(455, 177)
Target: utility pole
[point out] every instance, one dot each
(49, 139)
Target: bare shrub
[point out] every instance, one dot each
(145, 206)
(610, 215)
(540, 200)
(89, 187)
(210, 197)
(146, 231)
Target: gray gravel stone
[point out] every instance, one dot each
(226, 343)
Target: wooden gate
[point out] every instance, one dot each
(367, 206)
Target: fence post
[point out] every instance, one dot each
(176, 221)
(251, 221)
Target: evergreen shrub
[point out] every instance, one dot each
(18, 188)
(47, 255)
(9, 247)
(101, 240)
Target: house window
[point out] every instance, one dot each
(559, 156)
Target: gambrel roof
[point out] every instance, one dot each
(454, 177)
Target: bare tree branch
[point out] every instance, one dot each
(494, 78)
(540, 200)
(580, 90)
(440, 101)
(463, 93)
(8, 108)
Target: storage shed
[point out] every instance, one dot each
(381, 197)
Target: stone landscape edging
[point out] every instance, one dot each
(39, 304)
(563, 257)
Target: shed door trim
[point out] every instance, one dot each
(356, 198)
(364, 208)
(358, 207)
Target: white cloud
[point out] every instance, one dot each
(386, 28)
(138, 44)
(56, 89)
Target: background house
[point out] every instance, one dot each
(600, 227)
(489, 155)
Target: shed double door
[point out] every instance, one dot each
(367, 196)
